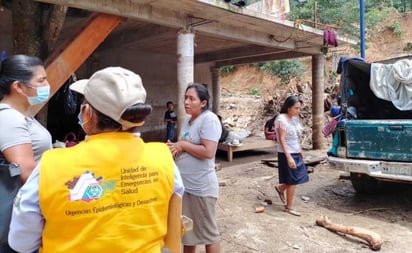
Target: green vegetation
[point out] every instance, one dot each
(402, 5)
(226, 69)
(254, 91)
(345, 14)
(341, 16)
(397, 28)
(285, 69)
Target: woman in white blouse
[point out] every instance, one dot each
(292, 169)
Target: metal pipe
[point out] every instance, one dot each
(362, 27)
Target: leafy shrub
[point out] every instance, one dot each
(285, 69)
(254, 91)
(226, 69)
(397, 28)
(375, 15)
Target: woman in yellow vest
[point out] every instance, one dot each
(111, 192)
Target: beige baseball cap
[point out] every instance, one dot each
(111, 91)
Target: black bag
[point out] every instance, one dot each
(10, 184)
(70, 97)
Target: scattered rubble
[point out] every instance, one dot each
(250, 112)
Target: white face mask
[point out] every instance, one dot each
(80, 117)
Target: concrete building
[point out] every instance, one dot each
(173, 42)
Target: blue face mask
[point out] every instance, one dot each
(43, 94)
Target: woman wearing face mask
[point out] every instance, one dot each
(112, 191)
(23, 83)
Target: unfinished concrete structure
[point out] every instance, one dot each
(173, 42)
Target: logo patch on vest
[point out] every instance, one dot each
(86, 187)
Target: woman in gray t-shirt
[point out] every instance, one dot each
(23, 84)
(194, 154)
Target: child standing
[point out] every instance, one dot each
(170, 119)
(269, 129)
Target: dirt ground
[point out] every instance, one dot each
(246, 181)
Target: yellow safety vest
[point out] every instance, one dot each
(109, 193)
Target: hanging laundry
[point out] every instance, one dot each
(329, 38)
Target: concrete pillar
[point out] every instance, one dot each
(216, 89)
(318, 66)
(185, 70)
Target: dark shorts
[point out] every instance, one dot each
(5, 248)
(292, 176)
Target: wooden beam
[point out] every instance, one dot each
(71, 54)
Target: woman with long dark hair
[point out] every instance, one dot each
(194, 154)
(292, 169)
(23, 84)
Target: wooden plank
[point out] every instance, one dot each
(249, 143)
(71, 55)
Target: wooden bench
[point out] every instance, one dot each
(247, 144)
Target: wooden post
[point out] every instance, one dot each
(216, 89)
(318, 64)
(174, 225)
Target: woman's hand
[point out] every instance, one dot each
(291, 163)
(175, 147)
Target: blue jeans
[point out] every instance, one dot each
(5, 248)
(170, 132)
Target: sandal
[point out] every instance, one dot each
(281, 194)
(292, 211)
